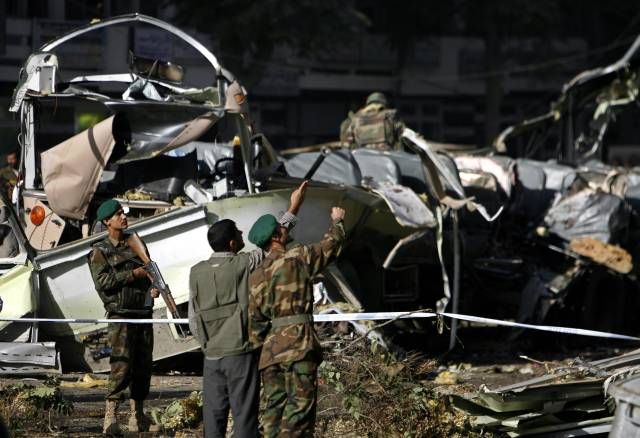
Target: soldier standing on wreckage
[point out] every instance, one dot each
(281, 311)
(374, 126)
(218, 308)
(123, 286)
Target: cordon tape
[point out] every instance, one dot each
(366, 316)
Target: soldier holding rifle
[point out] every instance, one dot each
(124, 287)
(157, 281)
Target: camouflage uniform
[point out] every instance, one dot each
(8, 180)
(131, 359)
(124, 296)
(9, 175)
(372, 127)
(281, 309)
(8, 242)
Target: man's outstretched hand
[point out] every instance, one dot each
(297, 197)
(337, 214)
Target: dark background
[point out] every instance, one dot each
(458, 71)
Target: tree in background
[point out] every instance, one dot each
(250, 31)
(495, 21)
(404, 23)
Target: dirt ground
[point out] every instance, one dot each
(462, 372)
(88, 403)
(86, 420)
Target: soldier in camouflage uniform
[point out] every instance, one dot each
(374, 126)
(123, 286)
(281, 310)
(9, 173)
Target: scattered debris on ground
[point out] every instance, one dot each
(363, 391)
(28, 407)
(181, 414)
(86, 381)
(366, 391)
(569, 398)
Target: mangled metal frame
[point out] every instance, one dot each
(58, 278)
(31, 86)
(606, 89)
(578, 119)
(445, 197)
(38, 80)
(609, 87)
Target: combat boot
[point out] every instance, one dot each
(138, 421)
(111, 426)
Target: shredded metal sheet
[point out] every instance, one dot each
(406, 206)
(26, 357)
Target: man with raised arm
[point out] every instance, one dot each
(281, 309)
(218, 318)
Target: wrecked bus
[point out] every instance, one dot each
(562, 250)
(179, 157)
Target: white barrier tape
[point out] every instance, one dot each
(364, 316)
(371, 316)
(99, 321)
(546, 328)
(329, 317)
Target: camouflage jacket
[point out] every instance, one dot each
(9, 175)
(282, 286)
(112, 272)
(373, 127)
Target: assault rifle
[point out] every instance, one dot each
(157, 281)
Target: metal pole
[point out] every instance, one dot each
(35, 295)
(456, 278)
(246, 147)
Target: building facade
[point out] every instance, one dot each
(439, 91)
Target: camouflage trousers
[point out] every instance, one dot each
(289, 399)
(131, 360)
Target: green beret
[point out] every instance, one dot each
(263, 229)
(377, 97)
(108, 209)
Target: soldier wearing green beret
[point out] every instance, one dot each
(123, 286)
(218, 318)
(374, 126)
(281, 310)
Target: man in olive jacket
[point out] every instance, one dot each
(218, 318)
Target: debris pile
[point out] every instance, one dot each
(25, 406)
(180, 414)
(364, 391)
(567, 234)
(562, 235)
(86, 381)
(568, 399)
(626, 396)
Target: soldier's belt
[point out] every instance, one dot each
(290, 320)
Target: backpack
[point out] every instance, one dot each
(375, 130)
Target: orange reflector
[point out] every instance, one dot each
(37, 215)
